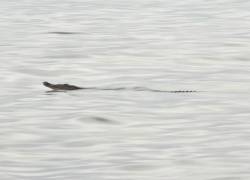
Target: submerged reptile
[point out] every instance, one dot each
(66, 87)
(61, 86)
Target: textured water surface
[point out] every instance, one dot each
(128, 126)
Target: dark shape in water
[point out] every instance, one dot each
(61, 86)
(103, 120)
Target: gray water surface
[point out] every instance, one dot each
(125, 134)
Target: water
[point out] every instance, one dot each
(125, 134)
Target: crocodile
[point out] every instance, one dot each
(68, 87)
(61, 86)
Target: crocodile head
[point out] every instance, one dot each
(46, 84)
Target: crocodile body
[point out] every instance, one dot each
(68, 87)
(61, 86)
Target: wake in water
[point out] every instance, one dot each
(68, 87)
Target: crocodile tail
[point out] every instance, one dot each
(183, 91)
